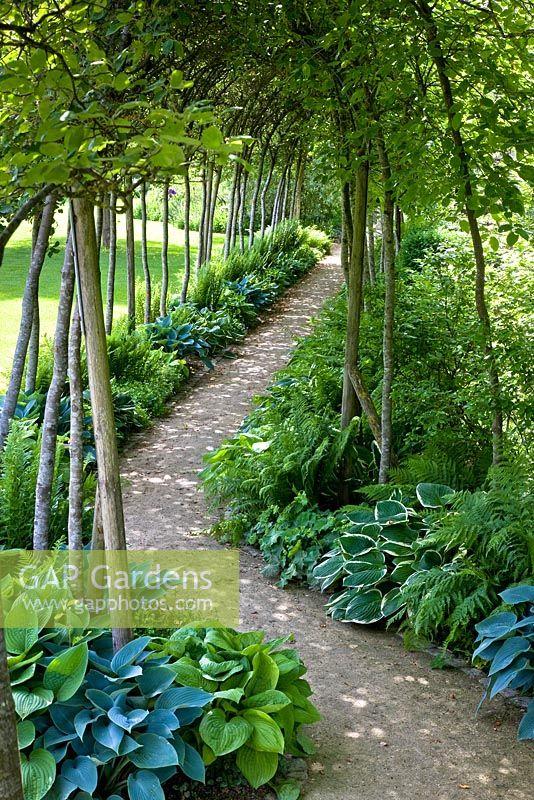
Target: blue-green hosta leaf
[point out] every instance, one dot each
(434, 495)
(38, 774)
(269, 701)
(505, 676)
(389, 512)
(258, 767)
(27, 702)
(84, 718)
(130, 653)
(53, 736)
(144, 785)
(162, 716)
(365, 606)
(100, 699)
(487, 650)
(508, 652)
(517, 594)
(526, 726)
(128, 745)
(82, 773)
(192, 764)
(65, 673)
(392, 602)
(496, 626)
(108, 734)
(25, 733)
(183, 697)
(61, 789)
(155, 680)
(266, 734)
(224, 735)
(356, 545)
(188, 715)
(155, 752)
(127, 720)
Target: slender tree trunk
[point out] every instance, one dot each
(264, 191)
(441, 64)
(47, 460)
(398, 229)
(99, 227)
(213, 208)
(275, 216)
(164, 251)
(371, 246)
(389, 314)
(84, 241)
(242, 209)
(346, 231)
(236, 208)
(255, 196)
(75, 522)
(106, 210)
(10, 777)
(28, 303)
(130, 259)
(206, 225)
(201, 224)
(23, 213)
(34, 343)
(230, 217)
(299, 186)
(355, 288)
(112, 261)
(147, 315)
(187, 236)
(382, 244)
(285, 196)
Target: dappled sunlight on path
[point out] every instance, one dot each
(392, 728)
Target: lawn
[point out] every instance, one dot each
(15, 266)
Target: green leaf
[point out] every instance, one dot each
(269, 701)
(518, 594)
(526, 726)
(27, 703)
(82, 772)
(20, 640)
(265, 674)
(65, 673)
(25, 733)
(356, 545)
(392, 602)
(434, 495)
(365, 607)
(258, 767)
(511, 239)
(288, 790)
(212, 138)
(129, 653)
(38, 774)
(222, 735)
(494, 243)
(362, 573)
(390, 511)
(144, 785)
(266, 734)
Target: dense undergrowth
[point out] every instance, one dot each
(148, 366)
(433, 549)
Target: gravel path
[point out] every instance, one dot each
(391, 727)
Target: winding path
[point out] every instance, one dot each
(392, 728)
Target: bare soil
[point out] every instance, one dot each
(392, 727)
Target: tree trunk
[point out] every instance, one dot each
(106, 211)
(287, 184)
(255, 196)
(230, 217)
(28, 304)
(10, 777)
(263, 197)
(206, 225)
(366, 402)
(47, 460)
(34, 343)
(355, 287)
(147, 311)
(440, 62)
(187, 236)
(99, 227)
(164, 251)
(237, 205)
(201, 224)
(398, 229)
(23, 213)
(299, 186)
(112, 264)
(389, 313)
(75, 521)
(346, 230)
(275, 216)
(213, 208)
(130, 259)
(242, 209)
(371, 246)
(84, 241)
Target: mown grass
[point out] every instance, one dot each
(15, 267)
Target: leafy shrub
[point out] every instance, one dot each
(109, 726)
(416, 242)
(379, 554)
(506, 642)
(260, 698)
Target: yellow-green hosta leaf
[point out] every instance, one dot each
(266, 735)
(38, 774)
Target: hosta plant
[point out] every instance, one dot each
(381, 551)
(260, 698)
(506, 642)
